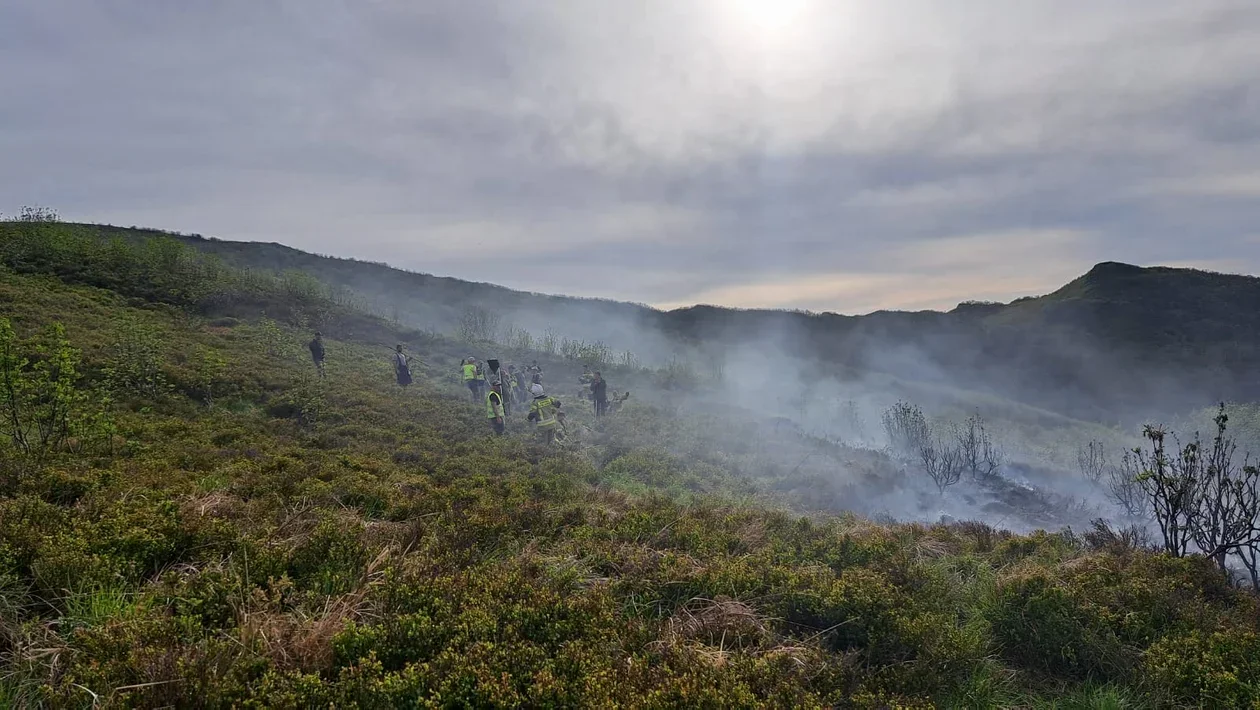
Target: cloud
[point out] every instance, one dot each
(657, 151)
(1240, 185)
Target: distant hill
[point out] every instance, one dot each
(1117, 343)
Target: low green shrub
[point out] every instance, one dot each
(1208, 669)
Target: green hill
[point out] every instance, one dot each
(1121, 343)
(189, 516)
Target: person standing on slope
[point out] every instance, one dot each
(494, 406)
(542, 411)
(402, 366)
(599, 394)
(317, 352)
(481, 379)
(515, 385)
(470, 377)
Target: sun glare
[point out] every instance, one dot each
(770, 20)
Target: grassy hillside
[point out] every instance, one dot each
(222, 528)
(1118, 343)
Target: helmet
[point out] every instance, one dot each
(536, 390)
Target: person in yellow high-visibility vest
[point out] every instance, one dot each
(543, 411)
(470, 377)
(494, 406)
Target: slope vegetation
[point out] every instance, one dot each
(1121, 342)
(220, 527)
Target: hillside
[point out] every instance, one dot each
(191, 517)
(1119, 344)
(209, 523)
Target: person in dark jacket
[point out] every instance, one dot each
(599, 394)
(402, 366)
(317, 352)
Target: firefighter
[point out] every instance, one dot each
(481, 379)
(494, 406)
(542, 411)
(586, 377)
(470, 376)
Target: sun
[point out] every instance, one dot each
(769, 20)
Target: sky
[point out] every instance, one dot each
(828, 155)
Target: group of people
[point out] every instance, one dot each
(499, 388)
(519, 383)
(508, 387)
(523, 386)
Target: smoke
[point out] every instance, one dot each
(793, 401)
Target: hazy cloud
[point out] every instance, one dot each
(827, 155)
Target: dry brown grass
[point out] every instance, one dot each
(217, 504)
(302, 639)
(720, 622)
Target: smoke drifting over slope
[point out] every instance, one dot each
(1093, 360)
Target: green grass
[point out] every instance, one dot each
(387, 551)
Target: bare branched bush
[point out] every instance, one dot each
(595, 354)
(907, 430)
(1249, 555)
(1226, 507)
(942, 462)
(1197, 495)
(981, 458)
(1123, 488)
(678, 374)
(1168, 485)
(519, 338)
(37, 214)
(550, 342)
(1091, 461)
(478, 324)
(1116, 540)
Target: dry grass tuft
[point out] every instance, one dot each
(302, 640)
(217, 504)
(721, 622)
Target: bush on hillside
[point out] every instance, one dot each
(1219, 669)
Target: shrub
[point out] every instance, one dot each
(134, 363)
(1217, 669)
(907, 430)
(42, 408)
(1039, 625)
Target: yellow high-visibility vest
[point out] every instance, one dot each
(546, 409)
(492, 403)
(470, 372)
